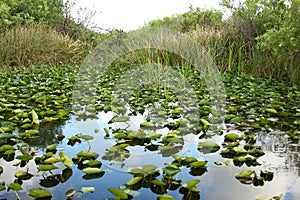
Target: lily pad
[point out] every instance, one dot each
(118, 193)
(134, 180)
(120, 119)
(92, 170)
(39, 193)
(208, 147)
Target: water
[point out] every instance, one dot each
(219, 182)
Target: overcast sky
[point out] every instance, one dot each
(133, 14)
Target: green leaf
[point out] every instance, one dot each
(147, 124)
(232, 137)
(191, 184)
(86, 137)
(15, 186)
(88, 189)
(158, 182)
(165, 197)
(244, 174)
(208, 147)
(120, 119)
(205, 122)
(134, 181)
(35, 117)
(66, 160)
(149, 169)
(39, 193)
(47, 167)
(171, 170)
(271, 110)
(119, 193)
(1, 170)
(198, 164)
(92, 170)
(239, 150)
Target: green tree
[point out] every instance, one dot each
(15, 12)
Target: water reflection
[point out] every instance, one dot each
(218, 182)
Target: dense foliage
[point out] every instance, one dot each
(260, 37)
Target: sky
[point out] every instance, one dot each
(133, 14)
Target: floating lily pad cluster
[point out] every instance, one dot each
(242, 149)
(32, 99)
(251, 177)
(262, 104)
(146, 176)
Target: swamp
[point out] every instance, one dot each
(155, 113)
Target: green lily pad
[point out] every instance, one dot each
(199, 164)
(35, 118)
(66, 160)
(239, 150)
(271, 110)
(86, 137)
(39, 193)
(88, 189)
(165, 197)
(245, 174)
(232, 137)
(92, 170)
(120, 119)
(158, 182)
(134, 180)
(149, 169)
(147, 125)
(15, 186)
(208, 147)
(171, 170)
(47, 167)
(118, 193)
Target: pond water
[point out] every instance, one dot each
(218, 182)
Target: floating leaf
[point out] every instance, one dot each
(88, 189)
(245, 174)
(208, 147)
(171, 170)
(147, 124)
(134, 180)
(239, 150)
(205, 122)
(149, 169)
(39, 193)
(66, 160)
(86, 137)
(158, 182)
(198, 164)
(15, 186)
(47, 167)
(70, 192)
(120, 119)
(271, 110)
(232, 137)
(119, 193)
(35, 118)
(165, 197)
(191, 183)
(92, 170)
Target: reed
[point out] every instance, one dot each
(36, 44)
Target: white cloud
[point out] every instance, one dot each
(133, 14)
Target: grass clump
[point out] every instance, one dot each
(25, 45)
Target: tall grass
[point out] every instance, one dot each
(25, 45)
(239, 54)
